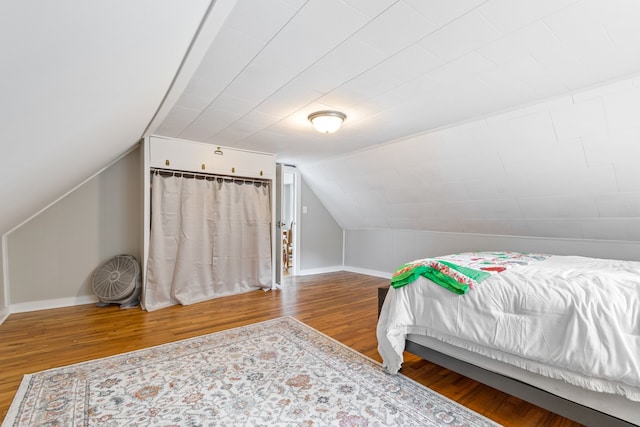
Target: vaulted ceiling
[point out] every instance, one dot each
(492, 116)
(462, 116)
(394, 67)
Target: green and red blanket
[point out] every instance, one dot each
(461, 272)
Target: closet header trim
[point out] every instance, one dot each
(198, 175)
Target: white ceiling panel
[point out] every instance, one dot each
(233, 133)
(577, 23)
(185, 115)
(371, 8)
(560, 207)
(520, 44)
(352, 57)
(619, 205)
(371, 83)
(627, 177)
(410, 63)
(319, 77)
(263, 19)
(528, 130)
(463, 68)
(558, 228)
(232, 48)
(307, 33)
(570, 181)
(501, 187)
(442, 13)
(605, 149)
(191, 100)
(260, 79)
(619, 17)
(438, 210)
(533, 159)
(485, 226)
(406, 93)
(288, 100)
(462, 36)
(622, 108)
(585, 118)
(508, 15)
(232, 104)
(505, 86)
(576, 64)
(490, 208)
(409, 26)
(611, 229)
(543, 81)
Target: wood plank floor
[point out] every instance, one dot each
(341, 305)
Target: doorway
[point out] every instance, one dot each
(287, 220)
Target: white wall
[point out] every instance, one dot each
(562, 168)
(81, 81)
(380, 252)
(320, 243)
(52, 257)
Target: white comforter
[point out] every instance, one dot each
(568, 317)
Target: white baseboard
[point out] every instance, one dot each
(310, 271)
(4, 313)
(383, 274)
(52, 303)
(90, 299)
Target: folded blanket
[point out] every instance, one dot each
(461, 272)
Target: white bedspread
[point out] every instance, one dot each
(568, 317)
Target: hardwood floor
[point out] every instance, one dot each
(341, 305)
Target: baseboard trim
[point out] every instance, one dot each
(310, 271)
(24, 307)
(376, 273)
(4, 314)
(91, 299)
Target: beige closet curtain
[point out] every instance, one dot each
(210, 237)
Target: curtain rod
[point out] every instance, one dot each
(187, 174)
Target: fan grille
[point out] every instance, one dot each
(116, 278)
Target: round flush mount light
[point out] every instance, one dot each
(327, 121)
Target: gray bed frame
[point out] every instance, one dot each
(544, 399)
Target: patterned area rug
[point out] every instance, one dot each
(275, 373)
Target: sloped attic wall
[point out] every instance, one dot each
(80, 83)
(321, 240)
(53, 256)
(564, 168)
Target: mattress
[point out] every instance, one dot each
(575, 320)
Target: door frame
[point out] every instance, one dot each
(281, 170)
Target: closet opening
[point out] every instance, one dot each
(208, 222)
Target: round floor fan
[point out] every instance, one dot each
(118, 281)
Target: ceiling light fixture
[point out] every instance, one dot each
(327, 121)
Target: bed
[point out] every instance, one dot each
(562, 332)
